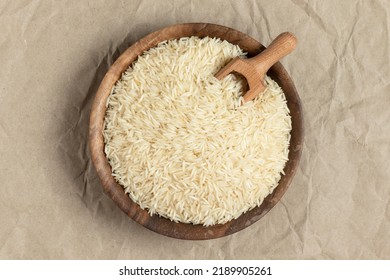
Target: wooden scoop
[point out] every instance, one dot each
(255, 68)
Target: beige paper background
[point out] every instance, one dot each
(53, 56)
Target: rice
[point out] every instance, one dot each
(180, 143)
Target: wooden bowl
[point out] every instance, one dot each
(116, 192)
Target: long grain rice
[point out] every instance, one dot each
(179, 142)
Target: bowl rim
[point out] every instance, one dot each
(116, 192)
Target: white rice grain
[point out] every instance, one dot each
(180, 144)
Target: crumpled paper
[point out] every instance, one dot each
(54, 55)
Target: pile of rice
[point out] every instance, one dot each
(179, 141)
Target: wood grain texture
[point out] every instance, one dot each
(254, 69)
(116, 192)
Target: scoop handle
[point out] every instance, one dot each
(284, 44)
